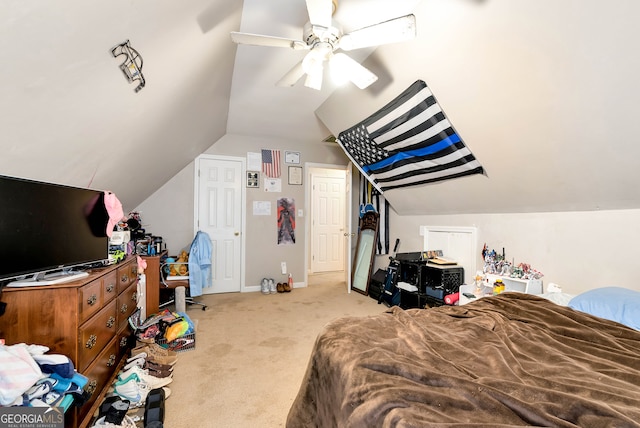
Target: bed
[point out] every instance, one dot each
(508, 360)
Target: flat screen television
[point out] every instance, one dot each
(49, 232)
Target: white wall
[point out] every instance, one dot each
(169, 211)
(577, 250)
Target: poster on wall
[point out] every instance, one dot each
(286, 221)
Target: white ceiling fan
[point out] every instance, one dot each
(322, 37)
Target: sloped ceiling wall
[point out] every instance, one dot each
(68, 114)
(543, 93)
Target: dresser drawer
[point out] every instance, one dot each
(127, 304)
(110, 286)
(124, 341)
(98, 375)
(90, 299)
(124, 276)
(94, 335)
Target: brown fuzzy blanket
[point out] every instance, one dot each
(508, 360)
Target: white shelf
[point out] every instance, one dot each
(529, 286)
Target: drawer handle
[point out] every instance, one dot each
(92, 341)
(91, 387)
(134, 270)
(110, 288)
(123, 308)
(134, 296)
(112, 360)
(123, 342)
(92, 300)
(111, 321)
(125, 278)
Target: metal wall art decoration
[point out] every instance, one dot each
(132, 64)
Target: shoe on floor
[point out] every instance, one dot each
(272, 286)
(155, 349)
(132, 390)
(144, 376)
(116, 412)
(157, 353)
(140, 361)
(158, 370)
(264, 286)
(280, 287)
(160, 373)
(127, 422)
(152, 365)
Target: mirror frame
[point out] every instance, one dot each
(365, 252)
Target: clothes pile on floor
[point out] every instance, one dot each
(30, 376)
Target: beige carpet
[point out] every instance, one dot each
(251, 353)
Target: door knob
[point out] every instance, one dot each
(350, 234)
(236, 233)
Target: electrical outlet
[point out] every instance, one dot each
(283, 267)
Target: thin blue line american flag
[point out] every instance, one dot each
(408, 142)
(271, 163)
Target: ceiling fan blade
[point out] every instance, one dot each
(320, 12)
(292, 76)
(392, 31)
(347, 67)
(260, 40)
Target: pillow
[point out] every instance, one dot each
(613, 303)
(558, 298)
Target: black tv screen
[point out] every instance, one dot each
(46, 227)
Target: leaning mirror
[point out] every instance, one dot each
(365, 252)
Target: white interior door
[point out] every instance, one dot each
(219, 202)
(328, 220)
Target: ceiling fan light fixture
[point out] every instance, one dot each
(339, 70)
(313, 64)
(316, 57)
(314, 79)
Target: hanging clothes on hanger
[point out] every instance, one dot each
(200, 264)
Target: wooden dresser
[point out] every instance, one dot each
(86, 320)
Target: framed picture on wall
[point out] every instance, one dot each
(295, 175)
(253, 179)
(292, 157)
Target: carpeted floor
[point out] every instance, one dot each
(251, 353)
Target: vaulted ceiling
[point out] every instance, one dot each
(543, 92)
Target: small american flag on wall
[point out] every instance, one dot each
(271, 163)
(408, 142)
